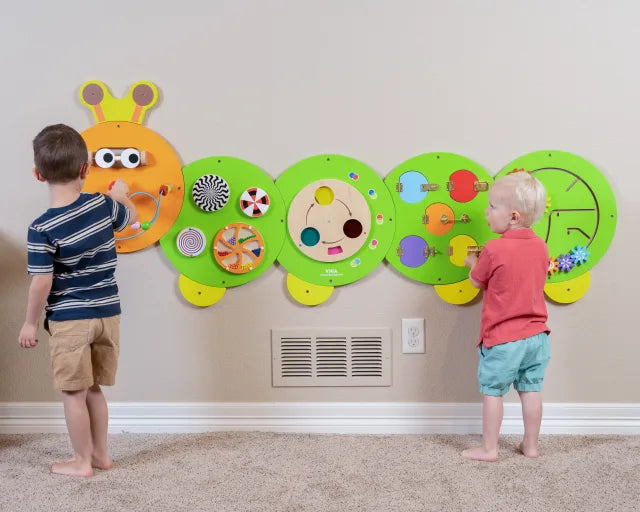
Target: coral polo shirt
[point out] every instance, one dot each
(512, 271)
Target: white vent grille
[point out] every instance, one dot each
(296, 357)
(331, 357)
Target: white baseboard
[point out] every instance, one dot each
(318, 417)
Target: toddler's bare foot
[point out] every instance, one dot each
(479, 453)
(531, 452)
(71, 468)
(101, 462)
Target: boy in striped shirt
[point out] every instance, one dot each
(72, 258)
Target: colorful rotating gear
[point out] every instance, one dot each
(191, 241)
(238, 248)
(254, 202)
(580, 255)
(553, 266)
(565, 262)
(210, 193)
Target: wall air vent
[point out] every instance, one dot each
(331, 357)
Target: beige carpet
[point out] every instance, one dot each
(296, 472)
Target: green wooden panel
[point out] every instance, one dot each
(372, 188)
(581, 207)
(240, 175)
(436, 169)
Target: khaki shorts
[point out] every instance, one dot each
(84, 352)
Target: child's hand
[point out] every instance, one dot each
(27, 337)
(471, 260)
(118, 190)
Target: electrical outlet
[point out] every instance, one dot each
(413, 336)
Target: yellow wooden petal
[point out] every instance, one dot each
(461, 292)
(307, 293)
(199, 294)
(459, 245)
(570, 291)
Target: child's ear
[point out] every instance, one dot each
(515, 217)
(84, 170)
(38, 176)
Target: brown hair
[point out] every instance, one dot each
(59, 153)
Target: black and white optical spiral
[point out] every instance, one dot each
(191, 241)
(210, 192)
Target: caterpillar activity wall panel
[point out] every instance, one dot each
(329, 220)
(340, 224)
(579, 222)
(230, 229)
(122, 148)
(440, 200)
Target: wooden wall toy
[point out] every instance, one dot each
(339, 222)
(439, 200)
(122, 148)
(579, 222)
(330, 219)
(230, 247)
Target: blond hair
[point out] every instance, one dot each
(528, 197)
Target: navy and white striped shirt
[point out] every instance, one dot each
(75, 243)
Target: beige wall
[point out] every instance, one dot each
(377, 81)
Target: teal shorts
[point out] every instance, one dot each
(521, 363)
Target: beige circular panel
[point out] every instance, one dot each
(329, 220)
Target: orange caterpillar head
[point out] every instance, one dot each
(120, 147)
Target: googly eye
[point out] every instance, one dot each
(105, 158)
(130, 158)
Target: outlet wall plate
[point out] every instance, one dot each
(413, 336)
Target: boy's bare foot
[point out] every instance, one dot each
(71, 468)
(529, 452)
(479, 453)
(101, 462)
